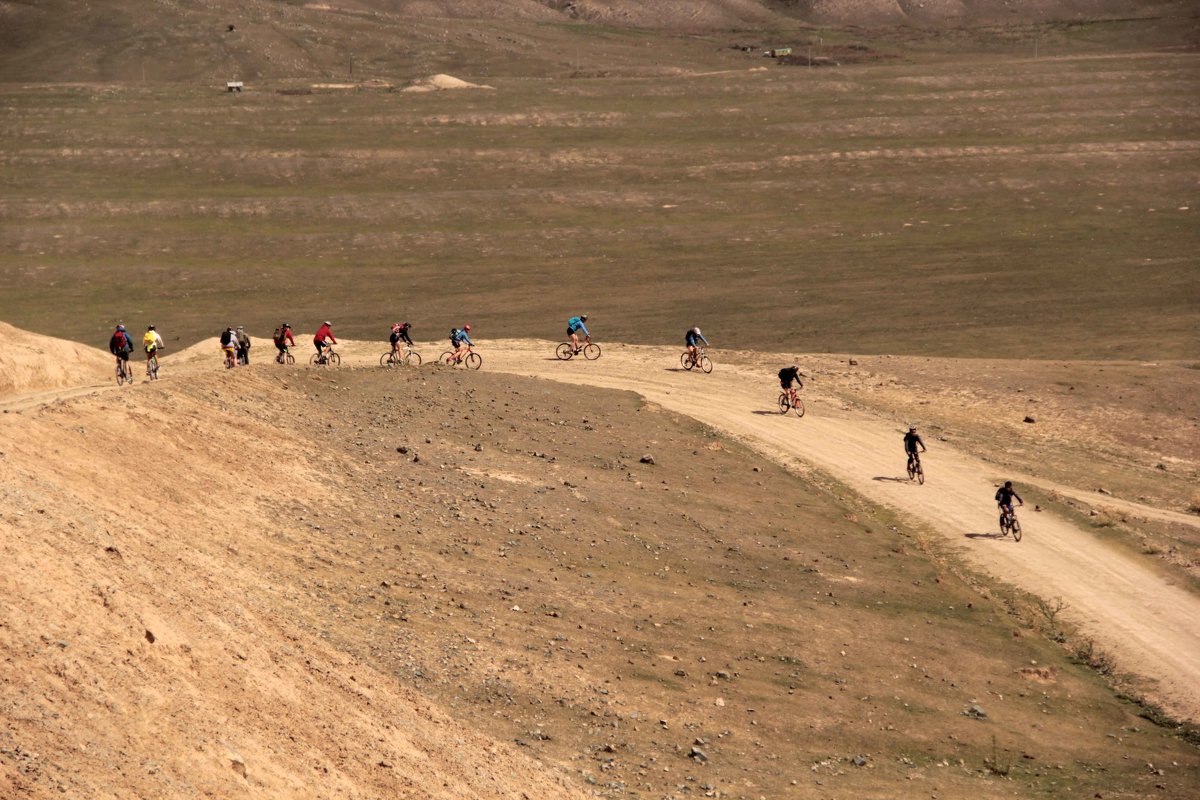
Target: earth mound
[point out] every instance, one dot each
(30, 363)
(441, 82)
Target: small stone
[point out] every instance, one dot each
(402, 450)
(698, 754)
(478, 447)
(1161, 466)
(1102, 490)
(1029, 419)
(150, 637)
(647, 459)
(854, 362)
(975, 712)
(859, 761)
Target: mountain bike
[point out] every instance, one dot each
(326, 358)
(790, 401)
(124, 372)
(152, 367)
(471, 360)
(400, 358)
(699, 361)
(285, 356)
(915, 470)
(1009, 523)
(566, 351)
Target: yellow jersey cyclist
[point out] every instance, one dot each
(574, 326)
(151, 343)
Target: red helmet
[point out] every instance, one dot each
(466, 327)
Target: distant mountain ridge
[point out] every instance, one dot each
(173, 40)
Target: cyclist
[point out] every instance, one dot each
(1004, 497)
(151, 343)
(692, 340)
(229, 346)
(283, 337)
(458, 338)
(243, 346)
(323, 339)
(788, 376)
(911, 440)
(399, 334)
(120, 346)
(574, 325)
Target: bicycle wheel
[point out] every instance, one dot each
(291, 359)
(705, 364)
(564, 351)
(120, 377)
(1016, 529)
(784, 405)
(912, 471)
(315, 360)
(387, 360)
(798, 407)
(920, 474)
(447, 358)
(591, 351)
(1003, 525)
(686, 361)
(474, 361)
(334, 359)
(412, 359)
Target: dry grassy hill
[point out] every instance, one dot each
(428, 583)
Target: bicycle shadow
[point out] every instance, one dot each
(990, 535)
(893, 480)
(772, 413)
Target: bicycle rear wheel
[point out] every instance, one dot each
(564, 351)
(412, 359)
(591, 351)
(315, 360)
(474, 361)
(784, 405)
(447, 358)
(686, 362)
(387, 360)
(705, 364)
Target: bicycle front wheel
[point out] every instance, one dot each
(474, 361)
(798, 407)
(1016, 529)
(591, 351)
(920, 474)
(291, 359)
(334, 359)
(912, 471)
(413, 359)
(564, 351)
(705, 364)
(784, 405)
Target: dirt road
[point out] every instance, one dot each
(1149, 625)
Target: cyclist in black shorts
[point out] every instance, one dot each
(1004, 497)
(911, 440)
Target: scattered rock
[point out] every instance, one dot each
(1102, 490)
(975, 712)
(1029, 419)
(698, 754)
(150, 636)
(239, 766)
(854, 362)
(859, 761)
(647, 459)
(1161, 466)
(402, 450)
(478, 447)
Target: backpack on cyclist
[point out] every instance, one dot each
(120, 342)
(783, 374)
(453, 334)
(226, 338)
(278, 335)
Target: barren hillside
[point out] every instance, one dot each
(428, 583)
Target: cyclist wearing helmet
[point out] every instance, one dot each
(692, 339)
(574, 325)
(151, 343)
(458, 338)
(323, 338)
(120, 345)
(229, 347)
(1004, 497)
(911, 440)
(399, 334)
(243, 346)
(787, 377)
(283, 337)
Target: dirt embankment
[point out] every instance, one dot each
(31, 363)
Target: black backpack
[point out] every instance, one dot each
(453, 333)
(226, 338)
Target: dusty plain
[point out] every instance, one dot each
(557, 579)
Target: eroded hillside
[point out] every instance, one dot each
(438, 584)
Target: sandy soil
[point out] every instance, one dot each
(1152, 626)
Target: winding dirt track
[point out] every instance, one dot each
(1149, 625)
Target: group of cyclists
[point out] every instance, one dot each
(235, 344)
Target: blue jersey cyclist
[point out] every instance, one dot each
(574, 326)
(458, 338)
(693, 339)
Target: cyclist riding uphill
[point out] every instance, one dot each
(151, 343)
(400, 334)
(458, 338)
(911, 440)
(283, 337)
(574, 326)
(1005, 495)
(323, 337)
(120, 345)
(789, 376)
(692, 339)
(228, 346)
